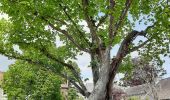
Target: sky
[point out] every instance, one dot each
(83, 61)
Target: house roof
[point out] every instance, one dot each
(136, 90)
(163, 88)
(164, 91)
(116, 88)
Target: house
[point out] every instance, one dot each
(164, 93)
(144, 91)
(118, 91)
(138, 92)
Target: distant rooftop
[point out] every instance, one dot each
(163, 87)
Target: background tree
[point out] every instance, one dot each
(36, 24)
(141, 71)
(25, 81)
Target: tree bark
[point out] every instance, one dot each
(113, 69)
(95, 66)
(100, 89)
(104, 74)
(96, 63)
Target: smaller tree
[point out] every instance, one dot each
(138, 71)
(26, 81)
(143, 71)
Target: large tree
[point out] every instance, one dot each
(34, 25)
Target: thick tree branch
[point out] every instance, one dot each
(139, 46)
(90, 23)
(60, 21)
(63, 23)
(123, 14)
(122, 52)
(67, 35)
(75, 25)
(95, 68)
(143, 33)
(111, 26)
(82, 91)
(36, 13)
(121, 18)
(124, 49)
(69, 66)
(89, 20)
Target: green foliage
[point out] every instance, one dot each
(28, 24)
(137, 98)
(69, 73)
(73, 94)
(126, 65)
(24, 80)
(134, 98)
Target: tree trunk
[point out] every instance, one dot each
(95, 66)
(100, 88)
(114, 67)
(103, 87)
